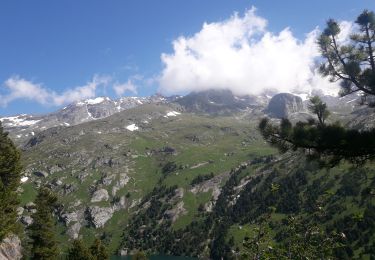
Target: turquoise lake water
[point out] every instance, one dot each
(156, 257)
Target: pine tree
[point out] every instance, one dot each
(10, 169)
(79, 251)
(98, 250)
(318, 107)
(44, 245)
(353, 65)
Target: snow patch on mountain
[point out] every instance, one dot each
(97, 100)
(13, 121)
(24, 179)
(172, 113)
(132, 127)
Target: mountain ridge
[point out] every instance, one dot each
(212, 102)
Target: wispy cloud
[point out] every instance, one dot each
(16, 88)
(121, 88)
(240, 54)
(19, 88)
(89, 90)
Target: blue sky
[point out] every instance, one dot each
(61, 45)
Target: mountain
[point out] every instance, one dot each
(182, 175)
(219, 102)
(24, 126)
(211, 102)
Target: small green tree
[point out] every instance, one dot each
(139, 255)
(319, 108)
(42, 230)
(258, 245)
(79, 251)
(10, 169)
(98, 250)
(301, 238)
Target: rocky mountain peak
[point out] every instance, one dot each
(284, 104)
(215, 102)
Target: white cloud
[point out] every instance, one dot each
(81, 92)
(241, 55)
(120, 89)
(19, 88)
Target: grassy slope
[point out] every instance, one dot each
(217, 136)
(224, 142)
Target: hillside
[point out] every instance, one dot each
(167, 179)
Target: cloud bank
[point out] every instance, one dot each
(241, 55)
(19, 88)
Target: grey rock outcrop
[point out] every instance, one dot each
(20, 211)
(69, 217)
(26, 220)
(10, 248)
(176, 212)
(100, 195)
(99, 216)
(30, 205)
(284, 104)
(120, 204)
(73, 230)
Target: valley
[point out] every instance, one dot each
(167, 172)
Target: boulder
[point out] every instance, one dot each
(57, 182)
(107, 180)
(120, 204)
(73, 230)
(69, 217)
(20, 211)
(68, 188)
(30, 206)
(100, 195)
(10, 248)
(99, 216)
(26, 220)
(120, 183)
(284, 104)
(55, 168)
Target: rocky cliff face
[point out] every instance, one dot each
(10, 248)
(217, 102)
(284, 104)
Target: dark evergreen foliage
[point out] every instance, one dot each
(79, 251)
(313, 224)
(10, 169)
(169, 167)
(201, 178)
(351, 63)
(98, 250)
(42, 230)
